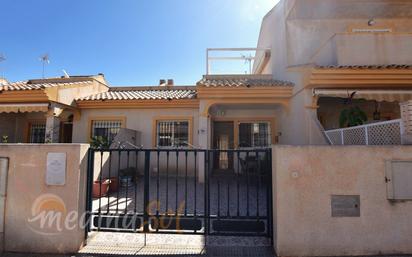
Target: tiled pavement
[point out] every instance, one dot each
(126, 244)
(170, 244)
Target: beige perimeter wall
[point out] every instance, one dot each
(27, 195)
(304, 179)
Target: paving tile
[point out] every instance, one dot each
(126, 244)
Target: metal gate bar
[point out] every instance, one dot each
(163, 191)
(247, 181)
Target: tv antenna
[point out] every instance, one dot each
(2, 59)
(248, 59)
(45, 60)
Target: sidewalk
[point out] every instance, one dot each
(125, 244)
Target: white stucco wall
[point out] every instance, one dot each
(374, 49)
(306, 31)
(296, 124)
(136, 119)
(141, 120)
(66, 95)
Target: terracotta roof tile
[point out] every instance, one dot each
(376, 67)
(241, 81)
(29, 85)
(144, 93)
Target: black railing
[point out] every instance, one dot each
(180, 191)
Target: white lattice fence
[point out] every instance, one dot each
(381, 133)
(385, 134)
(335, 137)
(355, 136)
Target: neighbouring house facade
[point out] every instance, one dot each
(43, 110)
(321, 57)
(335, 52)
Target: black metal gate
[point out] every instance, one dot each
(179, 191)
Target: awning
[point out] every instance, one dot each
(367, 94)
(8, 108)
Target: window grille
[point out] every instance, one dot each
(37, 133)
(256, 134)
(106, 128)
(172, 133)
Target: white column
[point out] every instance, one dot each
(203, 144)
(406, 123)
(203, 138)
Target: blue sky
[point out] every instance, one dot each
(133, 42)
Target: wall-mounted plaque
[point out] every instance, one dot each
(56, 169)
(345, 205)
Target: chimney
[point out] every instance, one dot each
(170, 82)
(162, 82)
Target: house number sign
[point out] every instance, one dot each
(56, 169)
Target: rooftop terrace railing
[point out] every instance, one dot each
(247, 60)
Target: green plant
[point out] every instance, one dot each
(5, 139)
(352, 116)
(99, 142)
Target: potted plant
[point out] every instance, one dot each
(351, 117)
(114, 184)
(99, 142)
(5, 139)
(100, 188)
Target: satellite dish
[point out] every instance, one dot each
(66, 75)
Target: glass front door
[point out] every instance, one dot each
(223, 139)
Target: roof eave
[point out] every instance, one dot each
(188, 103)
